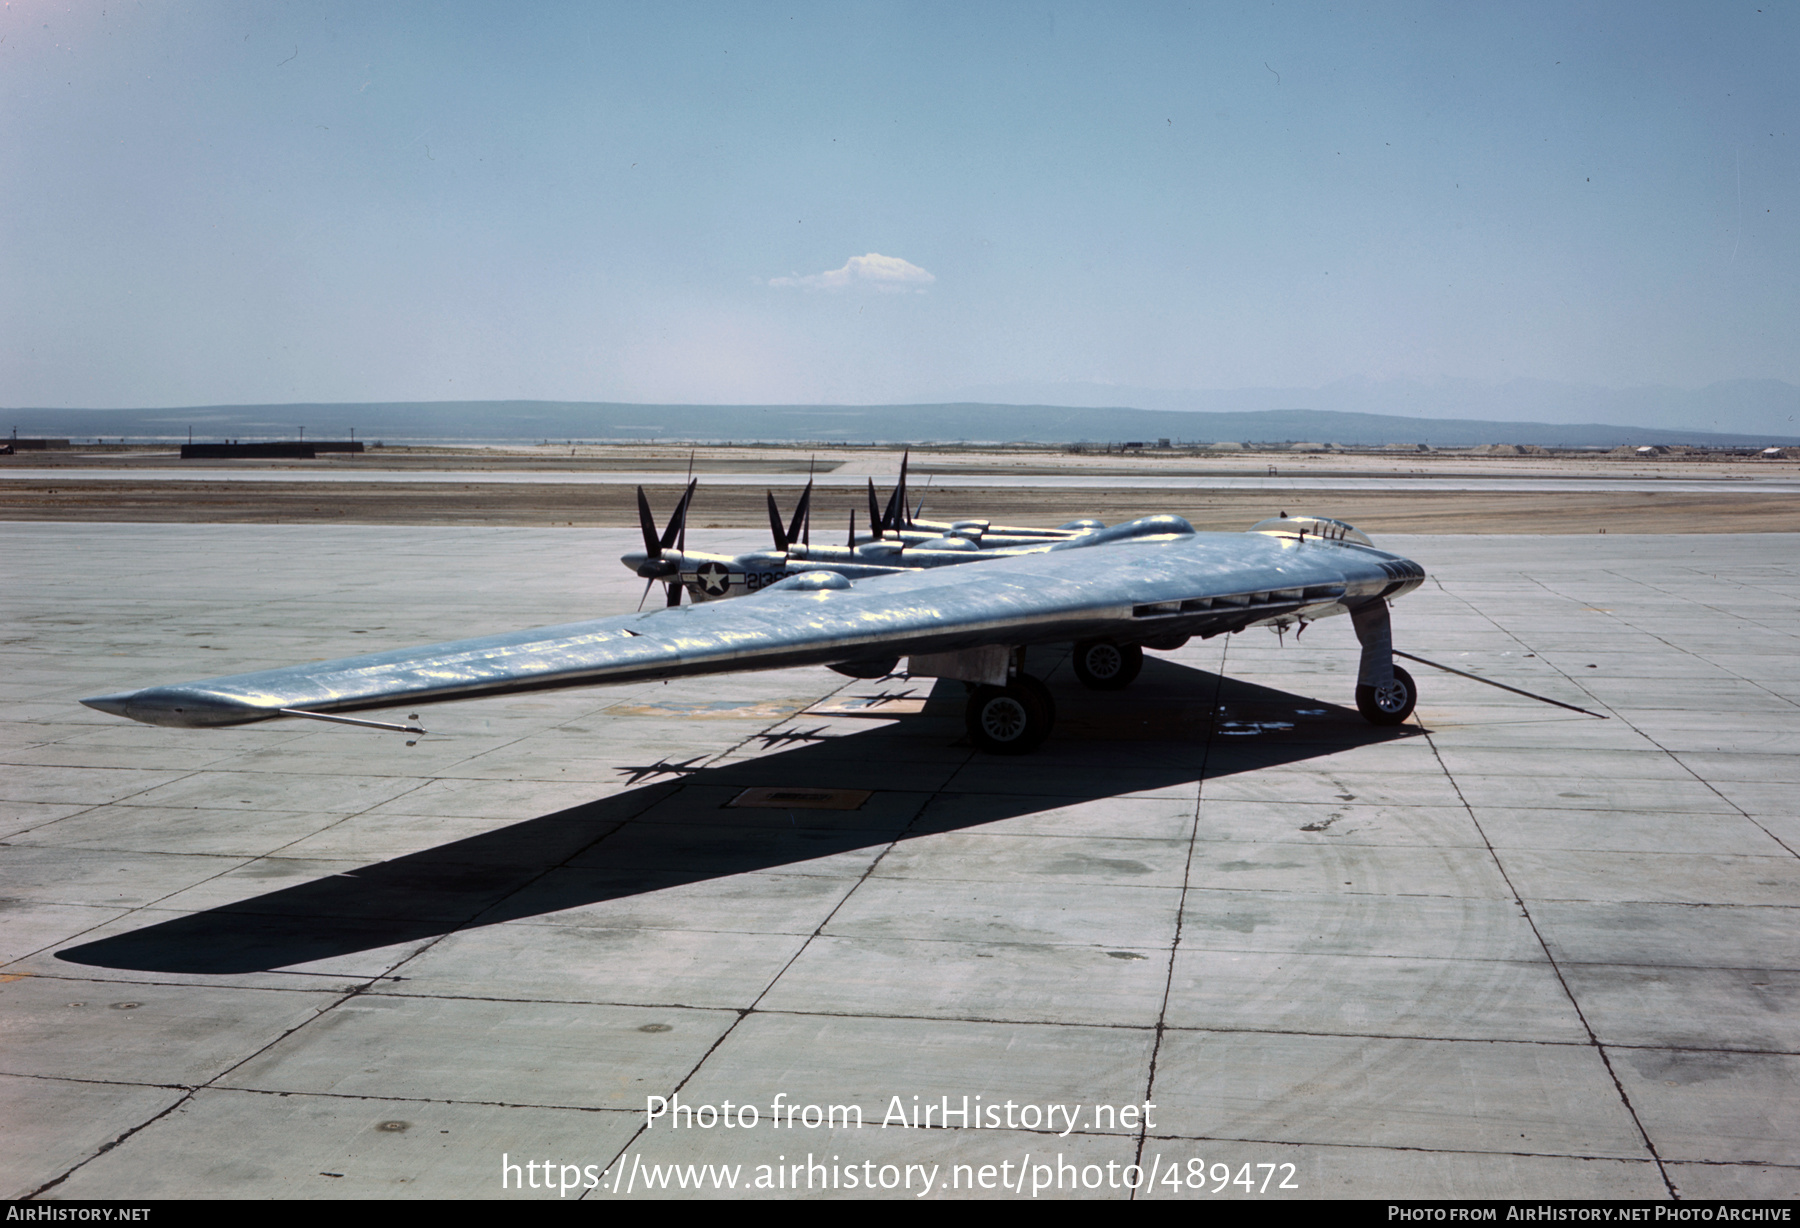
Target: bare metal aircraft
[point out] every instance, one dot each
(1150, 583)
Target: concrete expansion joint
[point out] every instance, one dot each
(1414, 1036)
(364, 1097)
(1352, 1145)
(1000, 1019)
(1734, 1051)
(64, 1078)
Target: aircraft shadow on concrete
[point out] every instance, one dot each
(1175, 726)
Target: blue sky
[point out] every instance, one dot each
(207, 203)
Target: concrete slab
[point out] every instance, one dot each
(1747, 1181)
(1543, 1099)
(103, 878)
(1715, 1106)
(1296, 935)
(1359, 923)
(1627, 831)
(569, 1055)
(1072, 861)
(159, 946)
(1285, 991)
(1327, 823)
(591, 963)
(26, 927)
(869, 1061)
(1689, 1008)
(187, 829)
(237, 1144)
(1403, 870)
(138, 1033)
(1685, 878)
(1033, 910)
(50, 1125)
(16, 817)
(918, 1165)
(1669, 935)
(757, 902)
(1380, 1173)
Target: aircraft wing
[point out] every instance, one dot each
(1153, 579)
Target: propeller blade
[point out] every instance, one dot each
(681, 538)
(874, 512)
(675, 587)
(678, 522)
(781, 538)
(806, 525)
(900, 492)
(801, 511)
(852, 542)
(647, 523)
(896, 504)
(646, 594)
(920, 510)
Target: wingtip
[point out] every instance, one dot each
(112, 705)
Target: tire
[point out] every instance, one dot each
(1008, 720)
(1041, 693)
(1388, 706)
(1103, 665)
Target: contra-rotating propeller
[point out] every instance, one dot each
(655, 566)
(896, 517)
(801, 523)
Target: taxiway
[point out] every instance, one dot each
(1502, 951)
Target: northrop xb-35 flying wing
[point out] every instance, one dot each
(1151, 583)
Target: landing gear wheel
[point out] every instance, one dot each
(1010, 720)
(1390, 704)
(1105, 666)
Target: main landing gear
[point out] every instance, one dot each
(1010, 720)
(1103, 665)
(1016, 718)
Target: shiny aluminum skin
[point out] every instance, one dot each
(1148, 580)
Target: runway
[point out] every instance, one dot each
(1737, 484)
(1502, 951)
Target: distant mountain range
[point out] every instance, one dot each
(1737, 407)
(972, 421)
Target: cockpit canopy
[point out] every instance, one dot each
(1317, 527)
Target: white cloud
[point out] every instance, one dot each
(874, 271)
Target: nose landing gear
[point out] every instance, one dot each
(1385, 693)
(1388, 703)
